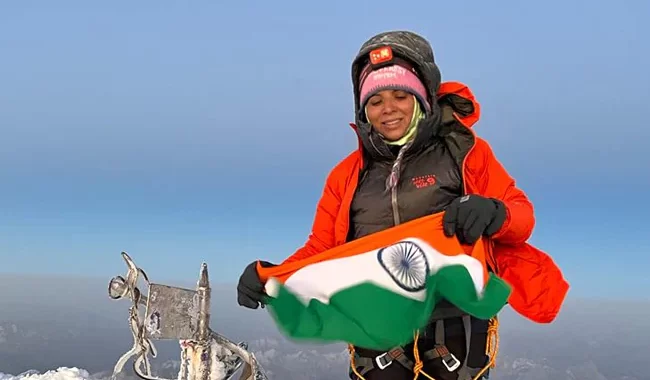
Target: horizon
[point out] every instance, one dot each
(190, 283)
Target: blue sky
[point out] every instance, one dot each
(190, 131)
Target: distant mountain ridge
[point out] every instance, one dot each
(47, 323)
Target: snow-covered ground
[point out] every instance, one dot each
(62, 373)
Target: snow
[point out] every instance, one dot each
(217, 369)
(62, 373)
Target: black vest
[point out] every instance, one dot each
(429, 180)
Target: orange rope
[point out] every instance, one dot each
(417, 368)
(491, 349)
(352, 365)
(492, 346)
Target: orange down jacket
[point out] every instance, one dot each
(539, 288)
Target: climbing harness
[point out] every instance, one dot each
(183, 315)
(360, 365)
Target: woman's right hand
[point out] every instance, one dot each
(250, 290)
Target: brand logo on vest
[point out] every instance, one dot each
(424, 181)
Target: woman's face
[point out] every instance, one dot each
(390, 113)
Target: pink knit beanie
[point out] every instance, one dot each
(394, 77)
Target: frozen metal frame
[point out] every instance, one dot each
(174, 313)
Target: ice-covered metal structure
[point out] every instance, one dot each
(174, 313)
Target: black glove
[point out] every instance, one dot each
(472, 216)
(250, 290)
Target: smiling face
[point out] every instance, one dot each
(390, 113)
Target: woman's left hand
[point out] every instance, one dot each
(472, 216)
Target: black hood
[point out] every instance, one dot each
(405, 45)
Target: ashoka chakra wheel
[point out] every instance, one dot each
(406, 263)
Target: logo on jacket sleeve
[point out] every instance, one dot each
(423, 181)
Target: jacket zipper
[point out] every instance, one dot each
(393, 199)
(393, 193)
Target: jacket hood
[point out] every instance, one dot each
(405, 45)
(458, 103)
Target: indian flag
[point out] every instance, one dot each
(377, 291)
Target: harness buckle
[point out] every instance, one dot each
(451, 362)
(448, 359)
(382, 362)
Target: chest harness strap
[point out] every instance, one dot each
(362, 365)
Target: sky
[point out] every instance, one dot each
(184, 132)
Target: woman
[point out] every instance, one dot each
(418, 156)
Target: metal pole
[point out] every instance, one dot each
(203, 290)
(203, 333)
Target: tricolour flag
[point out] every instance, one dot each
(377, 291)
